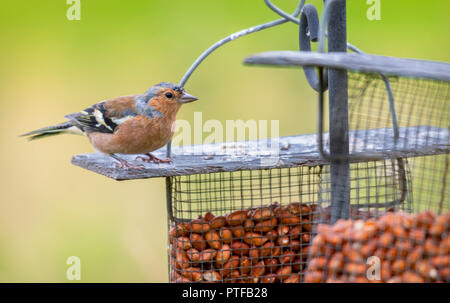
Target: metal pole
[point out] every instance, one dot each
(338, 106)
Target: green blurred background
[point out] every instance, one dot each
(50, 66)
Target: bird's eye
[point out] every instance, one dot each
(169, 95)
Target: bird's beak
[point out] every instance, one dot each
(186, 98)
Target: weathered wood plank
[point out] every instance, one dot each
(293, 151)
(357, 62)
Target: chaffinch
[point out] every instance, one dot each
(135, 124)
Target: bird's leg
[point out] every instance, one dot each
(125, 164)
(154, 159)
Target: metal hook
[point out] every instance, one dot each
(309, 31)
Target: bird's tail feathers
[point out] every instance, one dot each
(65, 127)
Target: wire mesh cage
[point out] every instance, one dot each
(398, 168)
(420, 114)
(397, 228)
(422, 119)
(411, 243)
(254, 226)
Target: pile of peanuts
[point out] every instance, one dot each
(256, 245)
(397, 247)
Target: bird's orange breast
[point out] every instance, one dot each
(135, 136)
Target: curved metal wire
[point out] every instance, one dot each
(281, 12)
(234, 36)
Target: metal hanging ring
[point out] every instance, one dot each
(309, 31)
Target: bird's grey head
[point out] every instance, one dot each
(165, 94)
(160, 87)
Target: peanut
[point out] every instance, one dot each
(267, 249)
(295, 245)
(426, 270)
(284, 272)
(294, 208)
(410, 277)
(236, 217)
(430, 247)
(254, 254)
(314, 277)
(295, 232)
(282, 230)
(193, 254)
(293, 278)
(318, 263)
(212, 276)
(231, 265)
(272, 235)
(213, 239)
(199, 226)
(265, 226)
(226, 235)
(415, 255)
(245, 265)
(356, 269)
(283, 241)
(271, 264)
(269, 278)
(441, 261)
(248, 224)
(181, 229)
(238, 231)
(287, 257)
(223, 255)
(262, 214)
(398, 266)
(306, 225)
(207, 255)
(257, 271)
(184, 243)
(192, 274)
(182, 260)
(239, 248)
(217, 222)
(288, 218)
(197, 241)
(336, 263)
(254, 239)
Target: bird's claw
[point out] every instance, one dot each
(151, 158)
(126, 165)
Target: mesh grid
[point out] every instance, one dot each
(223, 192)
(393, 246)
(420, 104)
(218, 232)
(255, 226)
(376, 187)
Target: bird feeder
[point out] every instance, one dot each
(236, 215)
